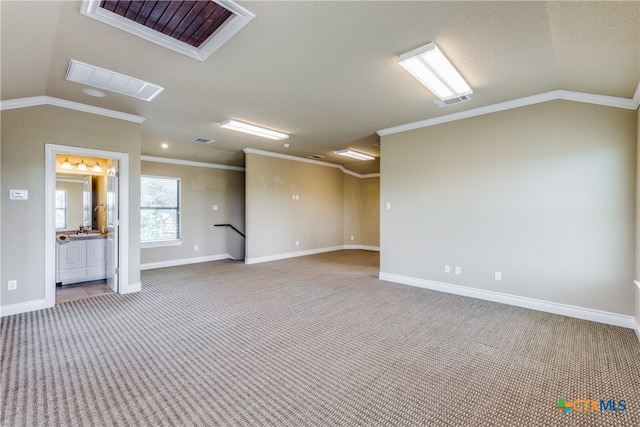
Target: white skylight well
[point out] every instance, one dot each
(217, 20)
(429, 65)
(101, 78)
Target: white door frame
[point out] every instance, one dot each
(50, 229)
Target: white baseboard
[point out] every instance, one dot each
(531, 303)
(183, 261)
(23, 307)
(131, 288)
(287, 255)
(363, 247)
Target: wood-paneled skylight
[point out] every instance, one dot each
(196, 28)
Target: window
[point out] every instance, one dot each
(159, 209)
(61, 209)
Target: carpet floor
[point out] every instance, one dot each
(310, 341)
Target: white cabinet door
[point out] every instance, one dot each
(96, 259)
(72, 261)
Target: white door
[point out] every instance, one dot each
(112, 226)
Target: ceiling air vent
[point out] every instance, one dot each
(202, 140)
(315, 157)
(451, 101)
(102, 78)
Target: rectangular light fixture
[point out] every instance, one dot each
(252, 129)
(429, 65)
(355, 154)
(91, 75)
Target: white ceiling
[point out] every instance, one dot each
(325, 72)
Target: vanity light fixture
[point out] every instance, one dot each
(355, 154)
(97, 167)
(82, 166)
(66, 164)
(253, 129)
(429, 65)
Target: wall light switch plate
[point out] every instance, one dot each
(458, 270)
(12, 285)
(214, 207)
(19, 194)
(447, 269)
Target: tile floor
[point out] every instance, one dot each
(82, 290)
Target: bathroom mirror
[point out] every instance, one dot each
(73, 202)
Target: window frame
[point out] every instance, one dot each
(165, 242)
(56, 209)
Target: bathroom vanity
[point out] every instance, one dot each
(81, 258)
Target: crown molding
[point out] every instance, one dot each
(311, 161)
(35, 101)
(190, 163)
(565, 95)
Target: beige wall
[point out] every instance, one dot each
(201, 188)
(544, 194)
(330, 208)
(370, 215)
(361, 211)
(24, 133)
(638, 226)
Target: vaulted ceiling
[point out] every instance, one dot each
(324, 72)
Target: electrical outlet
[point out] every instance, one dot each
(12, 285)
(214, 207)
(195, 248)
(498, 275)
(447, 268)
(352, 237)
(297, 243)
(458, 270)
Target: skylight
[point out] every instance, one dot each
(195, 28)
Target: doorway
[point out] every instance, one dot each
(114, 226)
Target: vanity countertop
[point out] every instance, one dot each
(81, 236)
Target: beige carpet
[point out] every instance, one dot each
(313, 341)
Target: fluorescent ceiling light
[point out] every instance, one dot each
(433, 69)
(252, 129)
(90, 75)
(355, 154)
